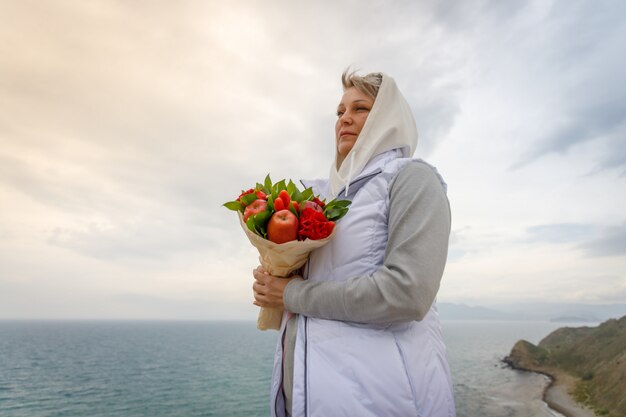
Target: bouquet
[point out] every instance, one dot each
(285, 225)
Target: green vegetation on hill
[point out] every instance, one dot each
(595, 355)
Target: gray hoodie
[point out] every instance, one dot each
(419, 212)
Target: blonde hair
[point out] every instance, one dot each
(367, 84)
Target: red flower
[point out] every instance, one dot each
(314, 225)
(319, 202)
(260, 194)
(250, 191)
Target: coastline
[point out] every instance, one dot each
(557, 396)
(555, 393)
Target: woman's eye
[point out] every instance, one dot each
(339, 113)
(362, 108)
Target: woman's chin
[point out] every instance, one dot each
(344, 148)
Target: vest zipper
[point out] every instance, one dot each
(359, 180)
(282, 374)
(306, 350)
(306, 378)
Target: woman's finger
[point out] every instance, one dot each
(258, 288)
(260, 276)
(258, 300)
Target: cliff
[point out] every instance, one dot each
(594, 356)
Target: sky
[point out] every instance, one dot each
(126, 125)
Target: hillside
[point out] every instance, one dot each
(595, 356)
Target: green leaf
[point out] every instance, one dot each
(270, 203)
(307, 194)
(250, 224)
(336, 209)
(293, 210)
(233, 205)
(259, 186)
(260, 222)
(260, 219)
(339, 203)
(268, 183)
(248, 199)
(330, 213)
(296, 196)
(291, 188)
(279, 186)
(335, 213)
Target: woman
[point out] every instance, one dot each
(360, 335)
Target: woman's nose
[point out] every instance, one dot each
(345, 118)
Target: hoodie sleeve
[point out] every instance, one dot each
(405, 286)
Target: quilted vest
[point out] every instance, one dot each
(355, 369)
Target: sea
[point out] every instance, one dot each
(221, 369)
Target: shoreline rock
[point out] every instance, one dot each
(587, 364)
(556, 392)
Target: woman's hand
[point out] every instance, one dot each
(268, 290)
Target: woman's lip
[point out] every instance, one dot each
(346, 133)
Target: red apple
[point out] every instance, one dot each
(282, 227)
(311, 204)
(257, 206)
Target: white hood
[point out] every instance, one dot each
(389, 125)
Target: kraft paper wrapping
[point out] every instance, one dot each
(279, 260)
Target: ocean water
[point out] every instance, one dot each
(150, 368)
(483, 385)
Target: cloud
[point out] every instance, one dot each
(125, 127)
(469, 242)
(613, 153)
(587, 73)
(593, 240)
(610, 242)
(560, 233)
(150, 238)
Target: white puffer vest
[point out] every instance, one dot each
(355, 369)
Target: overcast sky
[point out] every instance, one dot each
(125, 125)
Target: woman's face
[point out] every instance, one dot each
(352, 113)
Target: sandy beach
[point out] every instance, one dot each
(557, 397)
